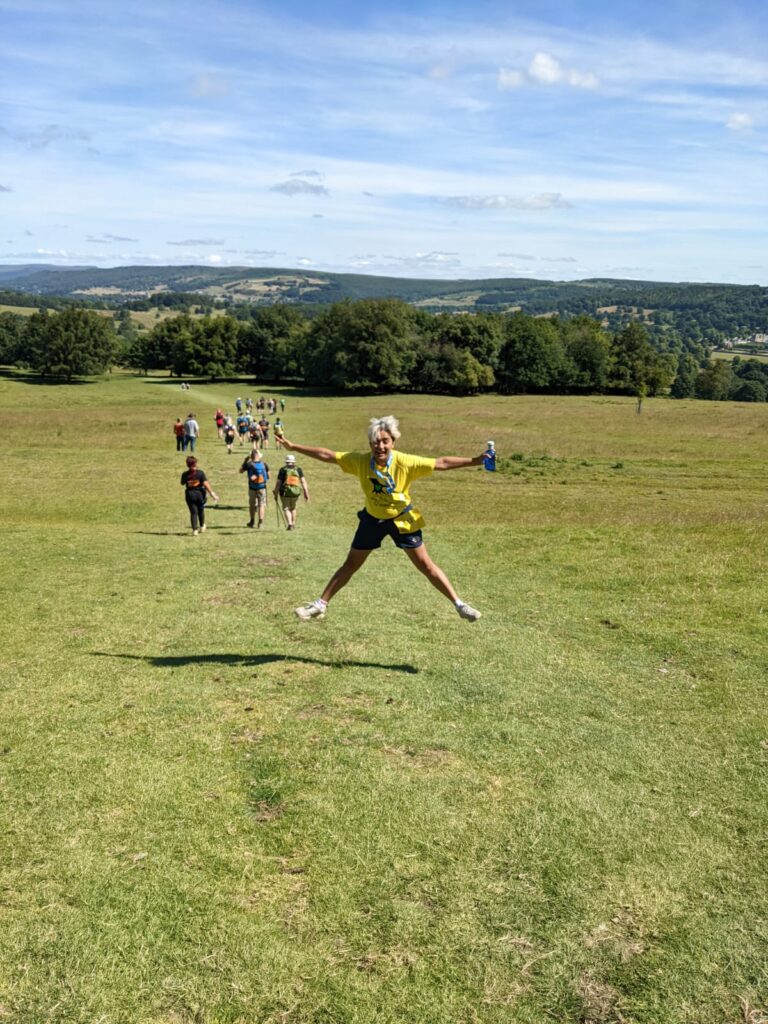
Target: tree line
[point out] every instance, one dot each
(376, 345)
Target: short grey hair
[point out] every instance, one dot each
(387, 423)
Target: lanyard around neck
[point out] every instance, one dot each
(384, 475)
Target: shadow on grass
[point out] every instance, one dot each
(273, 388)
(27, 377)
(225, 531)
(250, 660)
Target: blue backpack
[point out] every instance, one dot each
(257, 476)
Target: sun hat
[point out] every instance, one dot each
(290, 459)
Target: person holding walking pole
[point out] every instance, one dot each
(291, 483)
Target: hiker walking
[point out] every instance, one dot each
(191, 432)
(178, 430)
(229, 434)
(291, 482)
(258, 476)
(196, 486)
(385, 476)
(278, 428)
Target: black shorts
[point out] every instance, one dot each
(371, 532)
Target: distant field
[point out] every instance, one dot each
(761, 356)
(148, 317)
(214, 814)
(19, 310)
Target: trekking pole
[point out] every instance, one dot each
(277, 511)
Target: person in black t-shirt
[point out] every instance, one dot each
(196, 486)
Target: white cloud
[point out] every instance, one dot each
(509, 78)
(109, 238)
(546, 69)
(209, 86)
(542, 201)
(444, 68)
(583, 79)
(198, 241)
(299, 187)
(42, 138)
(5, 188)
(740, 122)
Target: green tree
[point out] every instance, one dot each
(749, 391)
(587, 347)
(11, 337)
(271, 342)
(68, 344)
(447, 368)
(715, 382)
(684, 384)
(636, 364)
(362, 346)
(532, 357)
(479, 333)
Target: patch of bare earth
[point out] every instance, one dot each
(599, 1002)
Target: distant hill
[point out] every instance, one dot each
(17, 270)
(700, 313)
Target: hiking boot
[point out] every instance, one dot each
(260, 524)
(466, 611)
(310, 611)
(250, 524)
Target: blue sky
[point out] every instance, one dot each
(549, 140)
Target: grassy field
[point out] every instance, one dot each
(211, 813)
(759, 354)
(145, 318)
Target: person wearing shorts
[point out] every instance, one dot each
(291, 483)
(258, 476)
(229, 435)
(385, 477)
(242, 427)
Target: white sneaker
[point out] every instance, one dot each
(310, 611)
(195, 533)
(466, 611)
(203, 528)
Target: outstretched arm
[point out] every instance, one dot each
(457, 461)
(321, 454)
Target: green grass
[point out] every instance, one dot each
(212, 813)
(744, 353)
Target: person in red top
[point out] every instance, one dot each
(195, 484)
(178, 429)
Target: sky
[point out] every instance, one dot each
(542, 139)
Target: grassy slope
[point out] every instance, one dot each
(213, 813)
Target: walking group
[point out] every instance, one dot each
(385, 477)
(290, 483)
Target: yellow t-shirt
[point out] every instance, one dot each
(386, 491)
